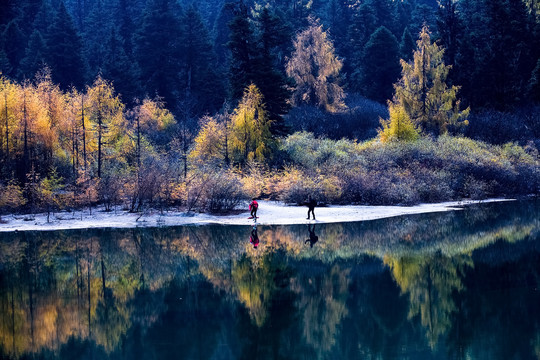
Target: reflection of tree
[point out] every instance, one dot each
(431, 283)
(110, 291)
(254, 280)
(322, 301)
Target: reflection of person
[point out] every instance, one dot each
(254, 237)
(311, 207)
(312, 237)
(253, 206)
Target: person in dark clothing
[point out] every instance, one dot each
(311, 203)
(312, 237)
(254, 237)
(253, 206)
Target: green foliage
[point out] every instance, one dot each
(209, 145)
(49, 192)
(425, 170)
(250, 137)
(399, 127)
(422, 91)
(64, 54)
(378, 76)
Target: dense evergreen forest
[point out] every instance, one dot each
(203, 104)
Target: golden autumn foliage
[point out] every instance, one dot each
(250, 136)
(422, 91)
(399, 126)
(209, 144)
(315, 68)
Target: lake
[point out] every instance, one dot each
(455, 285)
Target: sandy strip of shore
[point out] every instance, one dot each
(270, 213)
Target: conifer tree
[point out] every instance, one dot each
(96, 32)
(422, 90)
(363, 25)
(315, 69)
(42, 21)
(243, 49)
(118, 68)
(158, 51)
(221, 33)
(199, 77)
(270, 80)
(380, 68)
(449, 27)
(64, 54)
(251, 138)
(534, 83)
(105, 111)
(14, 41)
(34, 59)
(126, 26)
(407, 45)
(5, 65)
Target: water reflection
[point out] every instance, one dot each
(453, 285)
(313, 238)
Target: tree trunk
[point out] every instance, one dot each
(83, 131)
(100, 136)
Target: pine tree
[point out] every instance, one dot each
(221, 33)
(363, 25)
(42, 21)
(270, 80)
(158, 51)
(118, 68)
(34, 59)
(14, 41)
(384, 12)
(422, 91)
(64, 54)
(199, 77)
(5, 65)
(534, 84)
(407, 45)
(96, 31)
(243, 49)
(126, 27)
(380, 67)
(315, 69)
(449, 27)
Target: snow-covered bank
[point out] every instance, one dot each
(270, 213)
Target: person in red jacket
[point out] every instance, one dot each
(254, 237)
(253, 206)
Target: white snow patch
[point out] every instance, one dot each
(270, 213)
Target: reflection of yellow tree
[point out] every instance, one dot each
(323, 303)
(254, 284)
(430, 283)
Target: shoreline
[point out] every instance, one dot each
(269, 213)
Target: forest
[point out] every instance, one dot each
(201, 105)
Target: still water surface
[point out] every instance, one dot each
(458, 285)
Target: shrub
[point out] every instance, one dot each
(216, 192)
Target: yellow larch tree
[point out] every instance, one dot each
(251, 138)
(422, 91)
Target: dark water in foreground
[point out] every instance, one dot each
(459, 285)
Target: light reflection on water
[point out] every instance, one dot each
(449, 285)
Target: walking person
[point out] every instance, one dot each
(311, 203)
(253, 206)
